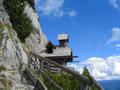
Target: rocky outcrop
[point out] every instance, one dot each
(37, 40)
(12, 52)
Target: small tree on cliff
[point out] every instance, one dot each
(20, 21)
(87, 74)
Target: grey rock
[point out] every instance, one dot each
(13, 53)
(1, 85)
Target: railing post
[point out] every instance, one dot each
(41, 66)
(84, 86)
(29, 59)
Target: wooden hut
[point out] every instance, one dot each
(59, 53)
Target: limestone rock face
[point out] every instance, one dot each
(37, 40)
(13, 52)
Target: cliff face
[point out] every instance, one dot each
(13, 55)
(37, 40)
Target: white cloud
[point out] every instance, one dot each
(115, 35)
(53, 8)
(118, 47)
(115, 4)
(72, 13)
(101, 68)
(116, 69)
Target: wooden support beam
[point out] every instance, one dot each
(35, 80)
(77, 75)
(41, 65)
(85, 81)
(84, 86)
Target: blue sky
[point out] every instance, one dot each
(90, 29)
(93, 26)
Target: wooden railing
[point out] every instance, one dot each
(35, 81)
(37, 61)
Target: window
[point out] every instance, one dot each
(49, 50)
(50, 47)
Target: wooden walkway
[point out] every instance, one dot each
(36, 62)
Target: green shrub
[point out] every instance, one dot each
(7, 83)
(2, 89)
(87, 74)
(20, 21)
(1, 25)
(1, 37)
(10, 28)
(2, 68)
(31, 2)
(66, 81)
(1, 34)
